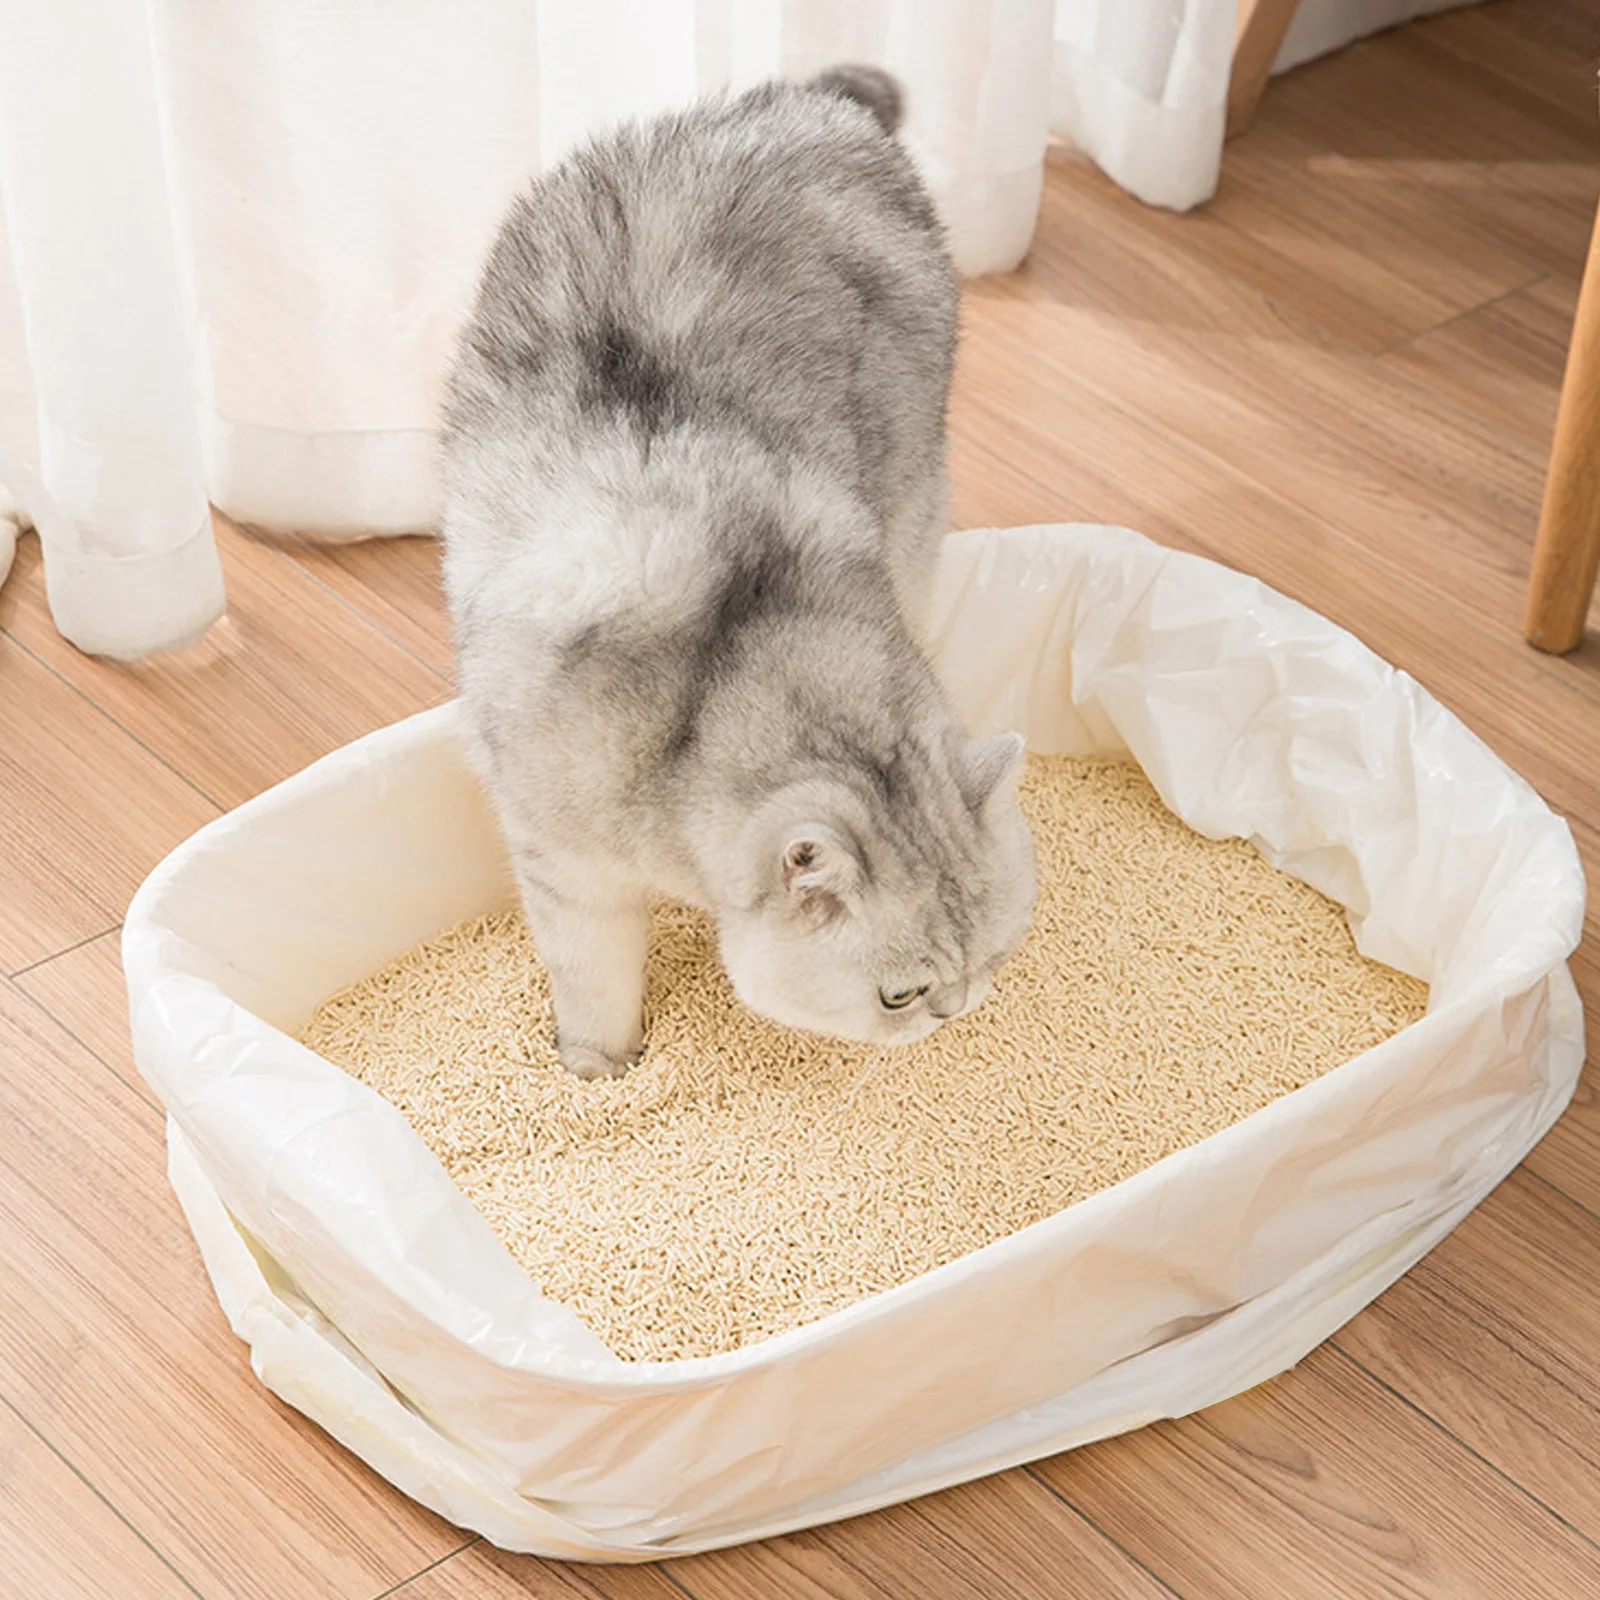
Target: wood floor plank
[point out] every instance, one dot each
(1001, 1538)
(1503, 361)
(395, 583)
(1494, 1335)
(59, 1540)
(1549, 49)
(485, 1573)
(1465, 140)
(85, 813)
(288, 675)
(1377, 460)
(113, 1348)
(1477, 105)
(1337, 240)
(1322, 1484)
(83, 990)
(1375, 227)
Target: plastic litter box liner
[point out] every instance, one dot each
(377, 1300)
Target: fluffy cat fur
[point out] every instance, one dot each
(694, 487)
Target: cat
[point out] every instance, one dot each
(694, 488)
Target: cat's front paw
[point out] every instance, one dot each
(582, 1062)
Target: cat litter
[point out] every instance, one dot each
(743, 1179)
(990, 1248)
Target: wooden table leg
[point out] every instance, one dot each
(1567, 553)
(1258, 36)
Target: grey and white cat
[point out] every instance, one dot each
(694, 488)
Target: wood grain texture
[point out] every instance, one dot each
(1502, 361)
(1547, 49)
(1335, 240)
(84, 990)
(59, 1540)
(289, 674)
(1495, 1335)
(1469, 146)
(1219, 373)
(1566, 556)
(483, 1573)
(112, 1347)
(1344, 250)
(1321, 1484)
(1380, 225)
(1002, 1538)
(85, 811)
(394, 583)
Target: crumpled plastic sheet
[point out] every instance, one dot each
(376, 1300)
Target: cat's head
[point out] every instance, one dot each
(878, 904)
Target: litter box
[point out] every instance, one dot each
(376, 1300)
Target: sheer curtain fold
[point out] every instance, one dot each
(243, 234)
(1142, 89)
(120, 497)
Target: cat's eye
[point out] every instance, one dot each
(899, 999)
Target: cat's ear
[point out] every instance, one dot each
(820, 868)
(987, 768)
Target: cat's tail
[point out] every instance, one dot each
(872, 87)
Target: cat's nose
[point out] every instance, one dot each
(948, 1001)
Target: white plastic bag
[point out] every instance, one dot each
(378, 1301)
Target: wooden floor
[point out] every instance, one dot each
(1341, 377)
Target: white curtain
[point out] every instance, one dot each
(1142, 85)
(243, 232)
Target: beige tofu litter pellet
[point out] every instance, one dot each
(743, 1179)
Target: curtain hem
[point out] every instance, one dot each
(1164, 155)
(125, 607)
(338, 485)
